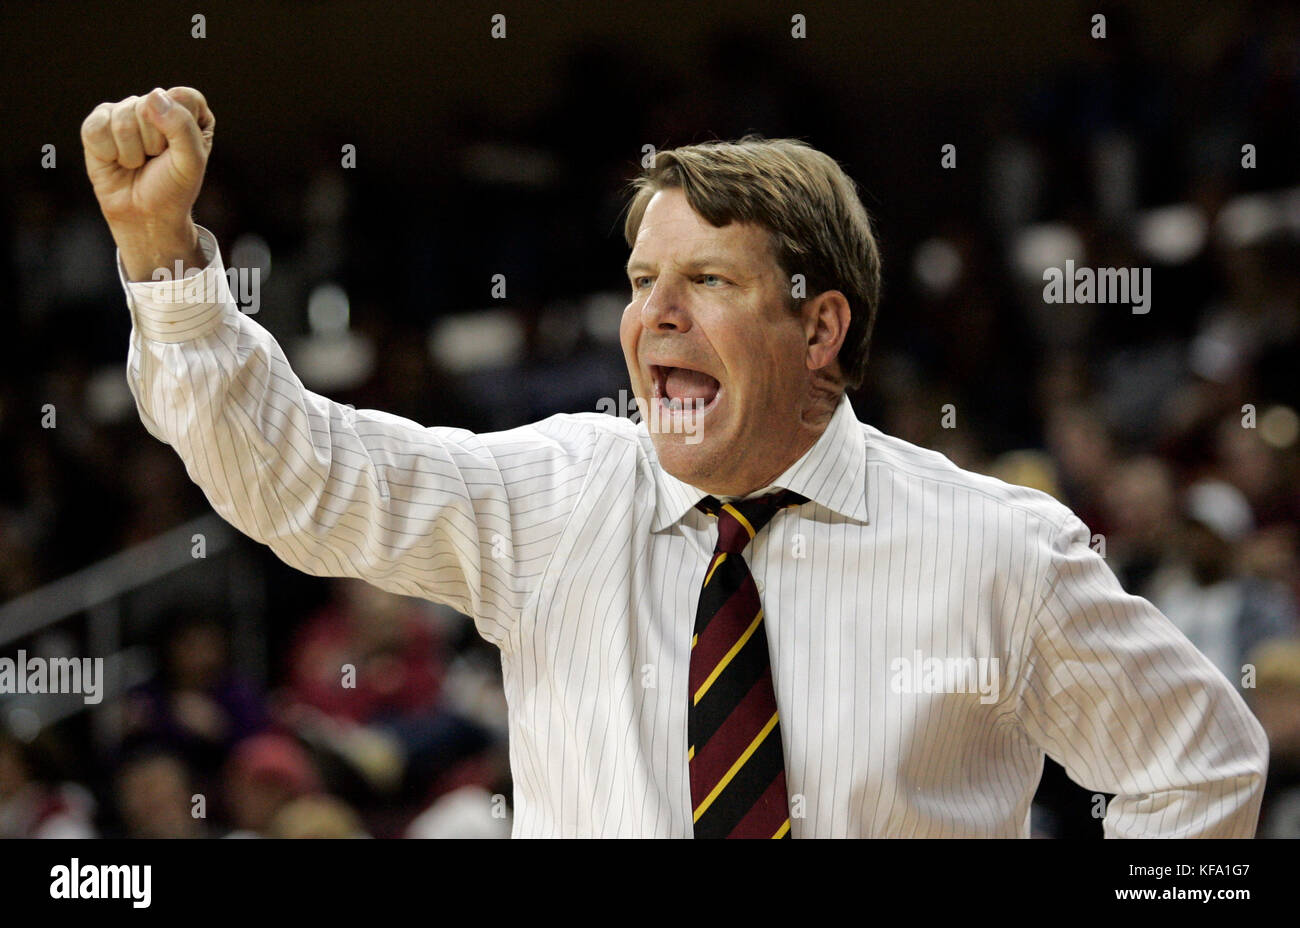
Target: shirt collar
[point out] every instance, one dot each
(832, 473)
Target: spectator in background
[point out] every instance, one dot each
(155, 797)
(1251, 466)
(395, 652)
(197, 706)
(1141, 507)
(1080, 443)
(316, 817)
(266, 772)
(35, 801)
(1202, 590)
(1276, 703)
(470, 801)
(366, 680)
(465, 812)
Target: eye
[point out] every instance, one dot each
(708, 277)
(636, 282)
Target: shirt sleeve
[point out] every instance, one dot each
(1115, 693)
(470, 520)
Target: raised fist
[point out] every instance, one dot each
(145, 157)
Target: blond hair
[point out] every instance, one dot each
(819, 227)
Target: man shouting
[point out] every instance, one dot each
(749, 615)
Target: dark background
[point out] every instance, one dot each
(478, 156)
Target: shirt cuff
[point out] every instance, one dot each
(180, 310)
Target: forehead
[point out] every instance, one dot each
(671, 230)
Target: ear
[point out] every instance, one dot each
(825, 322)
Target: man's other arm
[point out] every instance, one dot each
(1115, 693)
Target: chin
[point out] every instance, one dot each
(690, 463)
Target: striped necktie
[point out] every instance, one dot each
(737, 765)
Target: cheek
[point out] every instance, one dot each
(627, 334)
(627, 325)
(762, 360)
(768, 375)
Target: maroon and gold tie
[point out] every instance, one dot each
(737, 766)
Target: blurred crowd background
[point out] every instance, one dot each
(1174, 434)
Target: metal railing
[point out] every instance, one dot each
(99, 592)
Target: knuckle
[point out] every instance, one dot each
(97, 120)
(190, 99)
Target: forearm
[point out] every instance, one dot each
(1116, 694)
(1201, 771)
(1222, 809)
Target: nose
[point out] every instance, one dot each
(664, 309)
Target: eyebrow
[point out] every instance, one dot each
(718, 261)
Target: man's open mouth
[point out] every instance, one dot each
(680, 389)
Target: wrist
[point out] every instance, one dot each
(153, 254)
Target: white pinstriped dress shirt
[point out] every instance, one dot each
(577, 555)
